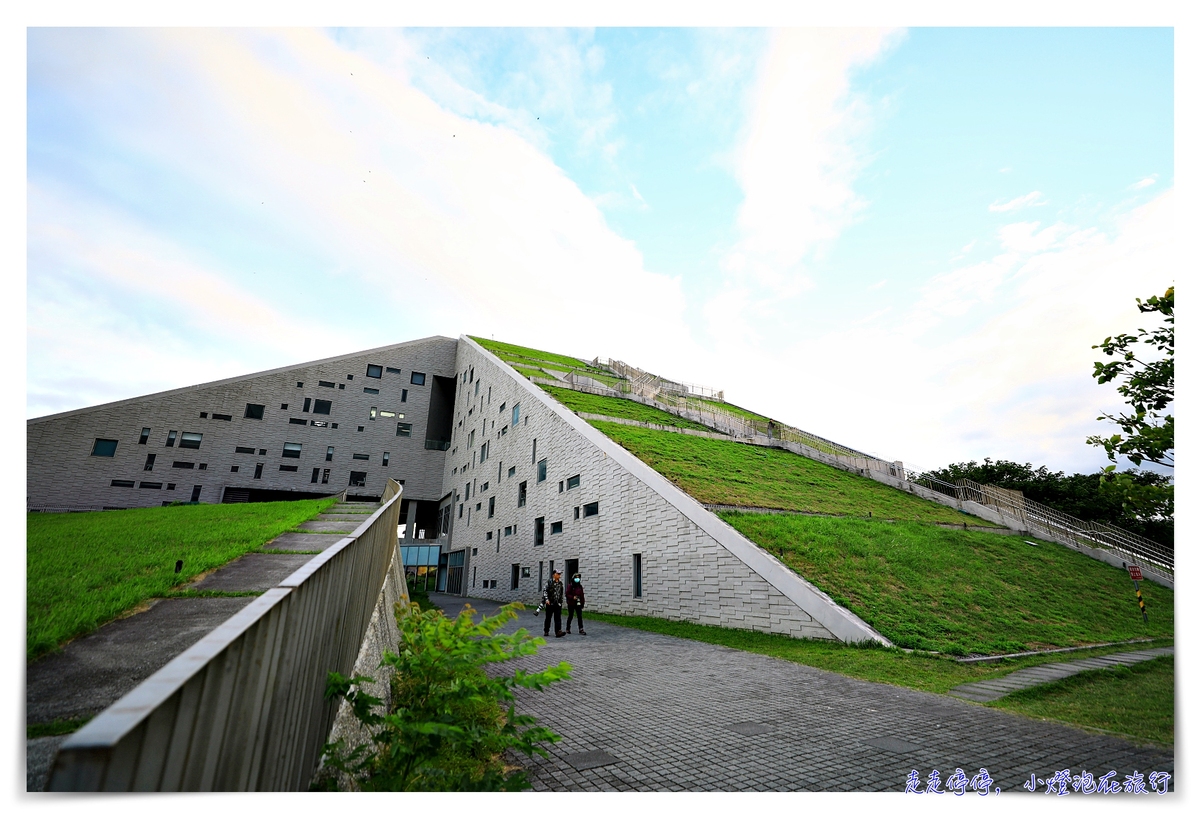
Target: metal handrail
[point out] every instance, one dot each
(244, 708)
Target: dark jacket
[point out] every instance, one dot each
(575, 594)
(554, 592)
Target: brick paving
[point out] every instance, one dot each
(678, 715)
(992, 689)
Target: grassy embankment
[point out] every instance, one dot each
(86, 568)
(529, 361)
(618, 408)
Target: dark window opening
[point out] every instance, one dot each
(512, 470)
(307, 404)
(370, 390)
(573, 482)
(170, 486)
(637, 575)
(122, 484)
(204, 414)
(283, 406)
(393, 370)
(244, 449)
(196, 493)
(171, 438)
(326, 384)
(404, 396)
(258, 467)
(262, 452)
(521, 494)
(403, 430)
(203, 466)
(374, 371)
(541, 471)
(360, 457)
(539, 531)
(183, 464)
(325, 476)
(491, 507)
(149, 463)
(190, 440)
(221, 417)
(299, 384)
(341, 386)
(298, 421)
(146, 485)
(417, 379)
(315, 475)
(322, 407)
(284, 467)
(358, 478)
(591, 509)
(516, 576)
(104, 448)
(145, 435)
(576, 512)
(233, 468)
(556, 528)
(329, 453)
(292, 449)
(386, 457)
(254, 411)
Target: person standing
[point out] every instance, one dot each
(575, 603)
(552, 596)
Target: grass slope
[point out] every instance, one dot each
(954, 591)
(86, 568)
(537, 356)
(618, 408)
(1136, 701)
(726, 472)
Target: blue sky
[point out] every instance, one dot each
(904, 240)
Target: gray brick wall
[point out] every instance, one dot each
(687, 574)
(62, 472)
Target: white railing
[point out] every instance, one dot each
(244, 708)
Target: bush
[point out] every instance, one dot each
(450, 723)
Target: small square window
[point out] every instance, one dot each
(262, 452)
(203, 466)
(417, 379)
(145, 435)
(349, 377)
(333, 426)
(322, 407)
(299, 384)
(341, 386)
(254, 411)
(104, 448)
(512, 470)
(204, 414)
(374, 371)
(190, 440)
(591, 509)
(358, 478)
(508, 530)
(573, 482)
(360, 428)
(292, 449)
(556, 528)
(403, 429)
(170, 486)
(283, 406)
(233, 468)
(489, 536)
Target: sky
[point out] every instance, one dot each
(904, 240)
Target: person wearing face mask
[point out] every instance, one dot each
(575, 603)
(552, 598)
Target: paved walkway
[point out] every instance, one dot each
(649, 712)
(992, 689)
(92, 672)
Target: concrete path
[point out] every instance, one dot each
(992, 689)
(649, 712)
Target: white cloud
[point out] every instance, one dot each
(1034, 199)
(1149, 180)
(419, 221)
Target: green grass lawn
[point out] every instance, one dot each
(731, 473)
(1136, 701)
(947, 590)
(734, 410)
(529, 371)
(503, 350)
(618, 408)
(86, 568)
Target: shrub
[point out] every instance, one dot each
(449, 723)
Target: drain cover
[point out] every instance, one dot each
(750, 728)
(893, 745)
(590, 759)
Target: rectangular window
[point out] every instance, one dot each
(369, 391)
(591, 509)
(384, 413)
(322, 407)
(521, 494)
(319, 423)
(171, 437)
(516, 415)
(477, 387)
(283, 406)
(487, 537)
(484, 487)
(533, 458)
(292, 449)
(403, 430)
(508, 529)
(254, 411)
(539, 531)
(329, 454)
(358, 478)
(203, 466)
(146, 485)
(374, 413)
(149, 463)
(298, 421)
(233, 468)
(512, 470)
(104, 447)
(417, 379)
(190, 440)
(307, 404)
(471, 438)
(483, 451)
(386, 457)
(145, 435)
(576, 512)
(491, 507)
(341, 386)
(516, 576)
(560, 487)
(326, 384)
(183, 464)
(299, 384)
(325, 475)
(221, 417)
(262, 452)
(122, 484)
(541, 473)
(404, 396)
(315, 475)
(393, 370)
(374, 371)
(556, 528)
(285, 467)
(170, 486)
(244, 449)
(637, 575)
(258, 467)
(360, 457)
(204, 414)
(573, 482)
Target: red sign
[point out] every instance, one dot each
(1135, 573)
